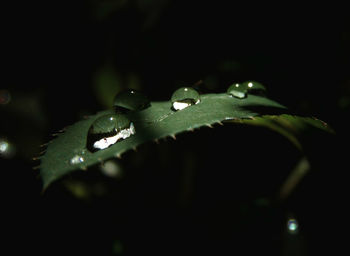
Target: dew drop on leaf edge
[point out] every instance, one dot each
(108, 130)
(184, 97)
(130, 100)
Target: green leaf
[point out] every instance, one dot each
(151, 124)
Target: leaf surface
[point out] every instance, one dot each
(156, 122)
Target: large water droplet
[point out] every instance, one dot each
(76, 159)
(238, 90)
(292, 226)
(130, 100)
(184, 97)
(108, 130)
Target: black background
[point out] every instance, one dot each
(50, 54)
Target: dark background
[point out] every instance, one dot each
(62, 61)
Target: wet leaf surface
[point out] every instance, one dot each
(68, 151)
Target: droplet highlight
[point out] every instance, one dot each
(7, 149)
(76, 159)
(108, 130)
(184, 97)
(292, 226)
(130, 100)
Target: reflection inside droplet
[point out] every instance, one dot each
(292, 226)
(181, 105)
(108, 130)
(108, 141)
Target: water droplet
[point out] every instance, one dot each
(130, 100)
(254, 87)
(292, 226)
(76, 159)
(238, 90)
(7, 149)
(184, 97)
(241, 90)
(108, 130)
(5, 97)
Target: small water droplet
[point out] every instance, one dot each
(238, 90)
(130, 100)
(241, 90)
(76, 159)
(184, 97)
(292, 226)
(108, 130)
